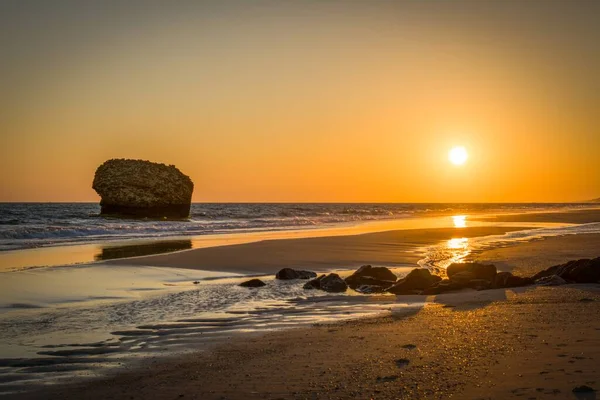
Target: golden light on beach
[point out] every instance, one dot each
(302, 162)
(460, 221)
(458, 243)
(458, 155)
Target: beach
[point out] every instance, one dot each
(182, 324)
(278, 200)
(527, 343)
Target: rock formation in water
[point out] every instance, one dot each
(253, 283)
(330, 283)
(289, 273)
(137, 188)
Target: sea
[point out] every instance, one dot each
(32, 225)
(84, 319)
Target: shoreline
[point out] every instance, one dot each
(456, 345)
(393, 249)
(84, 253)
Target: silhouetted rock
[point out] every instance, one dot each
(369, 281)
(454, 284)
(380, 273)
(577, 271)
(368, 276)
(443, 286)
(583, 389)
(253, 283)
(463, 277)
(416, 281)
(370, 289)
(479, 284)
(137, 188)
(508, 280)
(333, 283)
(479, 271)
(552, 280)
(289, 273)
(329, 283)
(314, 283)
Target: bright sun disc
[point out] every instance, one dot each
(458, 155)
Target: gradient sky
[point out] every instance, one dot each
(304, 100)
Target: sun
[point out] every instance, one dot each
(458, 155)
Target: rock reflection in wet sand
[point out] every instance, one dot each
(145, 249)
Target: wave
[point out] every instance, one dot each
(27, 225)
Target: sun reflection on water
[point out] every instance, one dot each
(458, 243)
(460, 221)
(458, 249)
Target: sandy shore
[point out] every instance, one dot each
(528, 258)
(528, 343)
(391, 249)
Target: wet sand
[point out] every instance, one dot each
(527, 259)
(498, 344)
(390, 249)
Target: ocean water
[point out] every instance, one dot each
(31, 225)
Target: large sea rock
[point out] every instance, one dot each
(137, 188)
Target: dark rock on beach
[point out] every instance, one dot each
(508, 280)
(443, 286)
(380, 273)
(369, 281)
(289, 273)
(552, 280)
(314, 283)
(479, 284)
(583, 389)
(142, 189)
(479, 271)
(462, 278)
(576, 271)
(416, 281)
(370, 289)
(330, 283)
(372, 279)
(253, 283)
(333, 283)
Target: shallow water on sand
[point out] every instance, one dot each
(45, 346)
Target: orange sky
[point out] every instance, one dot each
(305, 101)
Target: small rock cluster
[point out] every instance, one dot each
(368, 279)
